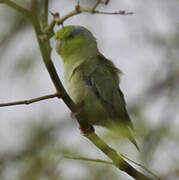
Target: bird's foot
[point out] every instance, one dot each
(74, 114)
(86, 130)
(78, 111)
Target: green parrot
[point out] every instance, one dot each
(92, 80)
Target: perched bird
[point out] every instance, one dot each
(92, 80)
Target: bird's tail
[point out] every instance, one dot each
(125, 131)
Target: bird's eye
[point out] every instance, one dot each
(70, 36)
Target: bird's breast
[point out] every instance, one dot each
(81, 93)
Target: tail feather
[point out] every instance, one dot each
(125, 131)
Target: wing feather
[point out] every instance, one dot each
(104, 82)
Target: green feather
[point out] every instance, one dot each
(93, 81)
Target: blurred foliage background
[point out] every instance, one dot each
(35, 138)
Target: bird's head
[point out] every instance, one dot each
(75, 41)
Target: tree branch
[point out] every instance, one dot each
(46, 3)
(78, 10)
(121, 12)
(88, 159)
(30, 101)
(118, 161)
(16, 7)
(140, 165)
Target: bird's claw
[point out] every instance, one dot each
(74, 114)
(87, 130)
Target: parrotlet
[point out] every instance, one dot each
(92, 80)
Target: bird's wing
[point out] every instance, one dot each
(103, 81)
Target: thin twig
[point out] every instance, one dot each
(96, 4)
(140, 165)
(17, 7)
(121, 12)
(50, 27)
(88, 159)
(30, 101)
(110, 163)
(79, 10)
